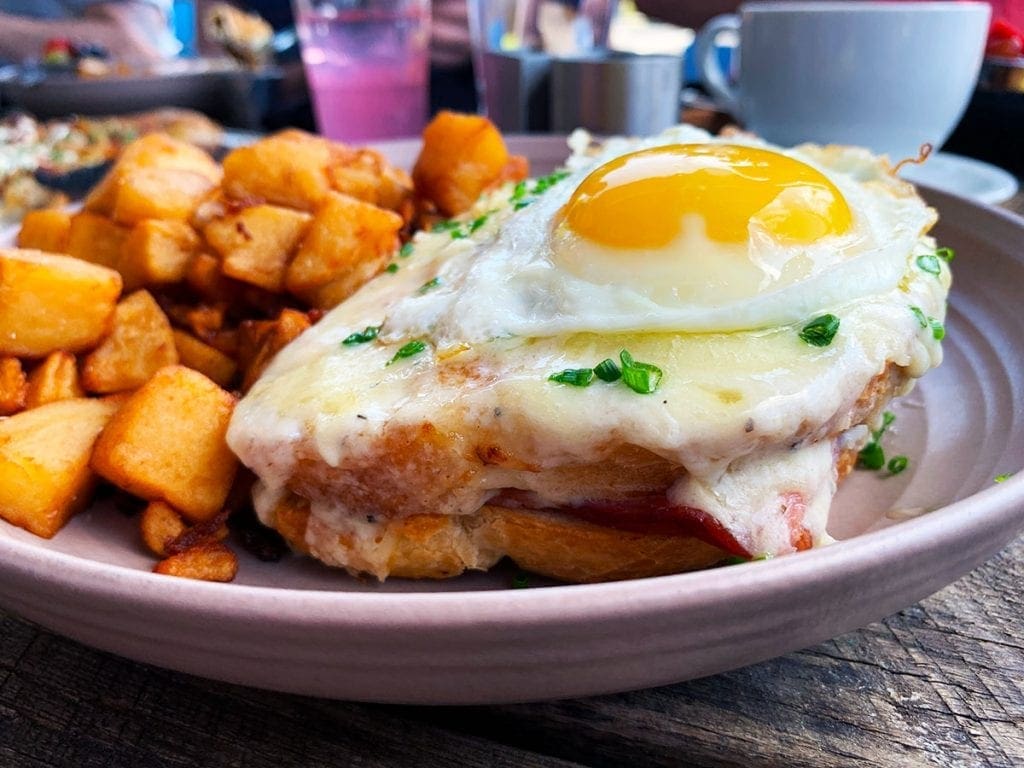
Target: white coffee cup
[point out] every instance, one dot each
(888, 76)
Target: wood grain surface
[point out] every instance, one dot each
(939, 684)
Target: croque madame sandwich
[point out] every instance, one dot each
(660, 360)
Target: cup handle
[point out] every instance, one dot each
(708, 67)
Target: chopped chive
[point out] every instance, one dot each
(519, 192)
(408, 350)
(735, 560)
(478, 222)
(897, 464)
(607, 370)
(929, 262)
(520, 581)
(871, 456)
(642, 378)
(361, 337)
(445, 225)
(1003, 477)
(576, 377)
(544, 183)
(391, 268)
(820, 331)
(921, 318)
(430, 285)
(406, 250)
(946, 254)
(520, 204)
(938, 329)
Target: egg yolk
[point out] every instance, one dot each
(639, 200)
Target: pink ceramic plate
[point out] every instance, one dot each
(296, 626)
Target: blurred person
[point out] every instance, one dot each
(132, 30)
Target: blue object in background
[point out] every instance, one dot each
(691, 75)
(183, 24)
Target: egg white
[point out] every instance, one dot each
(526, 281)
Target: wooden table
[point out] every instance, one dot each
(941, 683)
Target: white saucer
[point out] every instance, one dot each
(963, 176)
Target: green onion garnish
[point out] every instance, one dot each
(361, 337)
(445, 225)
(871, 456)
(642, 378)
(897, 464)
(946, 254)
(929, 262)
(607, 370)
(544, 183)
(408, 350)
(938, 329)
(820, 331)
(577, 377)
(1003, 477)
(430, 285)
(478, 222)
(391, 268)
(520, 581)
(519, 192)
(921, 318)
(406, 250)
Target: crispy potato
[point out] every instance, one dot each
(257, 243)
(366, 175)
(348, 242)
(13, 386)
(96, 239)
(45, 230)
(160, 524)
(288, 168)
(56, 378)
(140, 343)
(154, 150)
(207, 562)
(44, 462)
(203, 275)
(267, 339)
(210, 362)
(462, 156)
(159, 193)
(167, 443)
(157, 253)
(50, 302)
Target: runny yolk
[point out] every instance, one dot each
(639, 200)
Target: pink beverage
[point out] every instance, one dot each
(367, 68)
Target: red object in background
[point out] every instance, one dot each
(57, 50)
(1004, 40)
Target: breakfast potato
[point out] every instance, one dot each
(44, 462)
(153, 151)
(203, 276)
(257, 243)
(366, 175)
(160, 524)
(159, 193)
(50, 302)
(261, 340)
(462, 156)
(348, 242)
(167, 443)
(56, 378)
(207, 562)
(45, 230)
(96, 239)
(13, 386)
(157, 253)
(288, 168)
(209, 361)
(140, 343)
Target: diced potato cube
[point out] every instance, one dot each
(205, 278)
(157, 253)
(45, 230)
(167, 443)
(44, 462)
(207, 562)
(366, 175)
(154, 150)
(288, 168)
(267, 340)
(159, 193)
(462, 156)
(257, 243)
(13, 386)
(160, 524)
(50, 302)
(56, 378)
(347, 243)
(210, 362)
(140, 343)
(96, 239)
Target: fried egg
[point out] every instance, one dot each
(683, 232)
